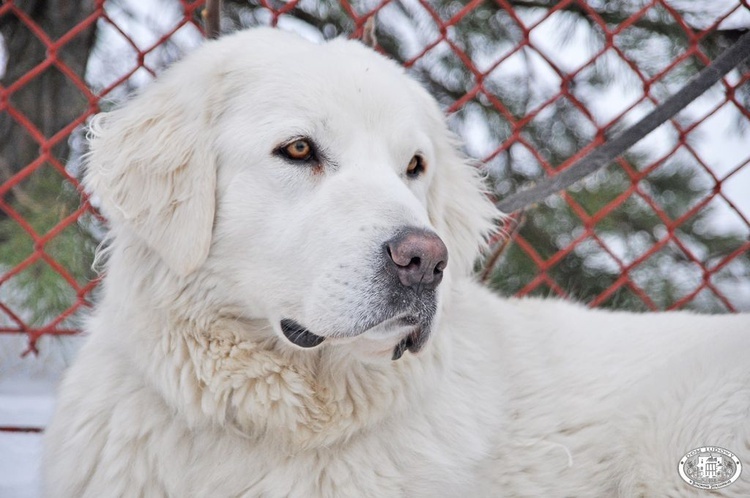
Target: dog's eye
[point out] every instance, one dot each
(298, 150)
(416, 166)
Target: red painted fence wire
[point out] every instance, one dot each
(277, 9)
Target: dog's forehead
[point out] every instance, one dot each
(338, 78)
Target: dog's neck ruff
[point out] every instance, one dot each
(264, 389)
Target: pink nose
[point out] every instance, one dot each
(418, 258)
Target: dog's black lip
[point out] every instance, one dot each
(399, 350)
(409, 320)
(412, 342)
(299, 335)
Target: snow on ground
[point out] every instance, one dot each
(27, 398)
(20, 454)
(22, 404)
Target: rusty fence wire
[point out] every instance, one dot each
(531, 85)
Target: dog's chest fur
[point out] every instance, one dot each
(307, 429)
(235, 418)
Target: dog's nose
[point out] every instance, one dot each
(418, 257)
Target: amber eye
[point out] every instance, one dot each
(299, 150)
(416, 166)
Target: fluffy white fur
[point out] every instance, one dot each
(186, 386)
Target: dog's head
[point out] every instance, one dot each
(317, 183)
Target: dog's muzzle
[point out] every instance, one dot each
(411, 268)
(302, 337)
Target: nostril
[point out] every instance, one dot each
(440, 267)
(401, 257)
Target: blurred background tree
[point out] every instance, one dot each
(532, 112)
(49, 101)
(554, 88)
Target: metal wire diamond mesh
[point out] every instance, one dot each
(471, 87)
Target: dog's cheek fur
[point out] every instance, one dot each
(152, 169)
(460, 207)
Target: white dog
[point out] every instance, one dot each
(289, 310)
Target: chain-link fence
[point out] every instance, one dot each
(531, 85)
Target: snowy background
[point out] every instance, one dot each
(27, 395)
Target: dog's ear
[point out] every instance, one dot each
(465, 215)
(152, 167)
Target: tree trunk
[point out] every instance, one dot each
(50, 100)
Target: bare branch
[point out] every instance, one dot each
(368, 33)
(212, 18)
